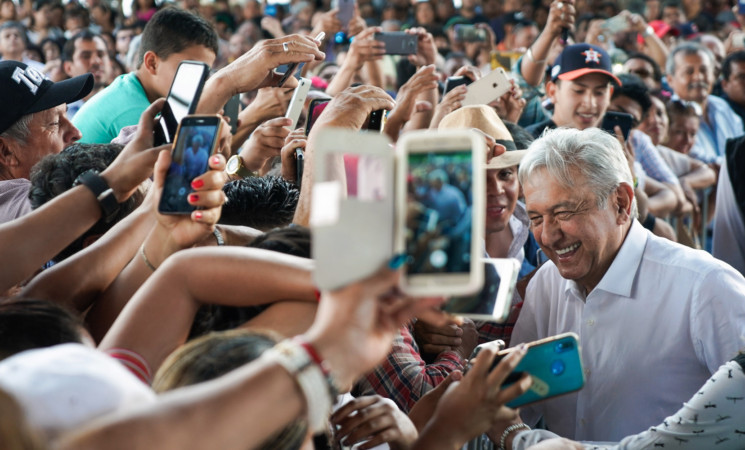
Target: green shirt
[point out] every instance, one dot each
(106, 113)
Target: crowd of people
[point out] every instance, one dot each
(125, 327)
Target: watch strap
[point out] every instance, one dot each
(241, 171)
(101, 190)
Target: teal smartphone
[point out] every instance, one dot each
(555, 365)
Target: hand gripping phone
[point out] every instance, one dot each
(182, 100)
(488, 88)
(398, 42)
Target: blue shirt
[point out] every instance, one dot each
(722, 123)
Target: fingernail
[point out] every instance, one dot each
(193, 197)
(198, 215)
(397, 261)
(215, 160)
(196, 184)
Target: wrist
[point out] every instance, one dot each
(509, 433)
(116, 184)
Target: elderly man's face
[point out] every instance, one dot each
(49, 133)
(693, 76)
(580, 238)
(502, 189)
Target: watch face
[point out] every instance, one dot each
(233, 164)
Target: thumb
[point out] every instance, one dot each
(440, 389)
(161, 168)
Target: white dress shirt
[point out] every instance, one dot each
(662, 319)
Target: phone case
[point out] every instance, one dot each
(346, 12)
(352, 217)
(428, 246)
(316, 103)
(453, 82)
(196, 73)
(613, 118)
(500, 274)
(297, 101)
(398, 42)
(555, 365)
(232, 109)
(488, 88)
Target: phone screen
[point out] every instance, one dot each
(438, 212)
(314, 110)
(189, 159)
(181, 101)
(469, 33)
(494, 299)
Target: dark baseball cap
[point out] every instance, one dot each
(581, 59)
(25, 90)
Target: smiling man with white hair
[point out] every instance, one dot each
(655, 318)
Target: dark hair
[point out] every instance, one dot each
(55, 174)
(173, 30)
(671, 4)
(520, 135)
(259, 202)
(634, 88)
(108, 9)
(677, 108)
(60, 43)
(78, 12)
(736, 57)
(294, 240)
(656, 71)
(68, 51)
(27, 323)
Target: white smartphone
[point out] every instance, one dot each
(297, 101)
(487, 89)
(494, 301)
(440, 211)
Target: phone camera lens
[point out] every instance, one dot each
(557, 367)
(562, 347)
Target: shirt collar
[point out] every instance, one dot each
(619, 279)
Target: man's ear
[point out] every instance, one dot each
(67, 67)
(623, 202)
(151, 62)
(551, 88)
(7, 155)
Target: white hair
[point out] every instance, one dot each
(574, 157)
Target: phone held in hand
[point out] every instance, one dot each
(469, 33)
(613, 119)
(297, 101)
(232, 109)
(440, 211)
(346, 12)
(376, 120)
(196, 141)
(493, 302)
(453, 82)
(295, 69)
(182, 99)
(398, 42)
(299, 166)
(487, 89)
(316, 107)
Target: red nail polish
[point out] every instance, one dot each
(196, 184)
(215, 160)
(193, 197)
(198, 215)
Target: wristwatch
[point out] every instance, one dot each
(235, 167)
(101, 190)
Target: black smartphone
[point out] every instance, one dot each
(296, 69)
(299, 166)
(398, 42)
(469, 33)
(196, 140)
(624, 120)
(376, 120)
(182, 100)
(315, 109)
(232, 108)
(453, 82)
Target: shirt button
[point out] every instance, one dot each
(591, 322)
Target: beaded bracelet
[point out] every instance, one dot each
(509, 430)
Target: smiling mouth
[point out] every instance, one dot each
(567, 250)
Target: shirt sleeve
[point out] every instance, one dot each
(649, 157)
(405, 377)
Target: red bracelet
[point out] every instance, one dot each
(316, 358)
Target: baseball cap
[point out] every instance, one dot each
(486, 120)
(65, 386)
(689, 30)
(741, 7)
(581, 59)
(25, 90)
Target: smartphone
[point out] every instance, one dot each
(298, 67)
(469, 33)
(232, 108)
(297, 101)
(453, 82)
(616, 24)
(346, 12)
(494, 301)
(376, 120)
(613, 118)
(182, 99)
(440, 211)
(317, 105)
(196, 140)
(487, 89)
(299, 166)
(398, 42)
(555, 365)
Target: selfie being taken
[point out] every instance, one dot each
(355, 224)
